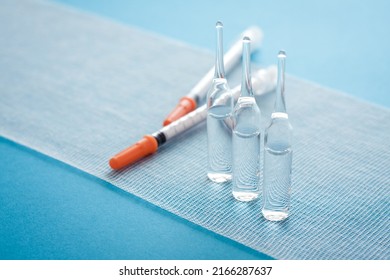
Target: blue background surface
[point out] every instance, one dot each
(340, 44)
(49, 210)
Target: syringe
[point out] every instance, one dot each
(189, 102)
(263, 81)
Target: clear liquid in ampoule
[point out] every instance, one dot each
(219, 143)
(247, 172)
(277, 170)
(246, 150)
(277, 177)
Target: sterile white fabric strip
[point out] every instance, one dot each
(80, 88)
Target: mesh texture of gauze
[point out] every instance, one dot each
(80, 88)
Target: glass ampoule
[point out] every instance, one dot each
(219, 110)
(278, 155)
(246, 136)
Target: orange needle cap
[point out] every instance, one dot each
(146, 146)
(185, 106)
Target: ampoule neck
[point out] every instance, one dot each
(219, 63)
(246, 82)
(280, 103)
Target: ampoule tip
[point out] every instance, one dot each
(282, 54)
(219, 24)
(246, 39)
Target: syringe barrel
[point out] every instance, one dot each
(184, 123)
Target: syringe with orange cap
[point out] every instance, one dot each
(263, 81)
(232, 57)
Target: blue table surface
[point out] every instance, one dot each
(49, 210)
